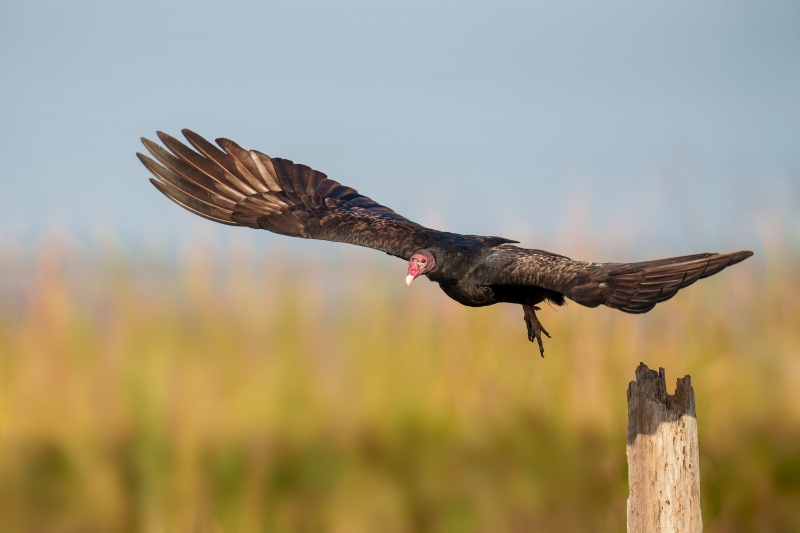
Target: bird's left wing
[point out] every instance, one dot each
(629, 287)
(242, 187)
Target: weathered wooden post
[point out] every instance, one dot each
(663, 457)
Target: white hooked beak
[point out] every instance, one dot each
(409, 279)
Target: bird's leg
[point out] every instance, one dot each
(535, 328)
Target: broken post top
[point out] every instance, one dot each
(649, 404)
(663, 457)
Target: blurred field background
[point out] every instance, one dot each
(167, 374)
(225, 387)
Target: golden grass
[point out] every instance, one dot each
(250, 396)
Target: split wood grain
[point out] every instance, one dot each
(663, 455)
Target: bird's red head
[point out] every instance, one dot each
(421, 262)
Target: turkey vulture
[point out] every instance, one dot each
(238, 187)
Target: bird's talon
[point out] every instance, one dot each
(535, 328)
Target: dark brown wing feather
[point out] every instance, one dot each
(238, 187)
(638, 287)
(629, 287)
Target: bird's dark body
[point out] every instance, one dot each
(466, 277)
(238, 187)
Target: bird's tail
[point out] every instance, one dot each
(638, 287)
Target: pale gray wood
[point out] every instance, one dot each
(663, 455)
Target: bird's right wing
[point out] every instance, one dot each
(238, 187)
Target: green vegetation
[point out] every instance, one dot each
(208, 398)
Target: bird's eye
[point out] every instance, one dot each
(423, 263)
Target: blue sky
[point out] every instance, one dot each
(674, 122)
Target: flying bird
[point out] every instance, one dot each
(238, 187)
